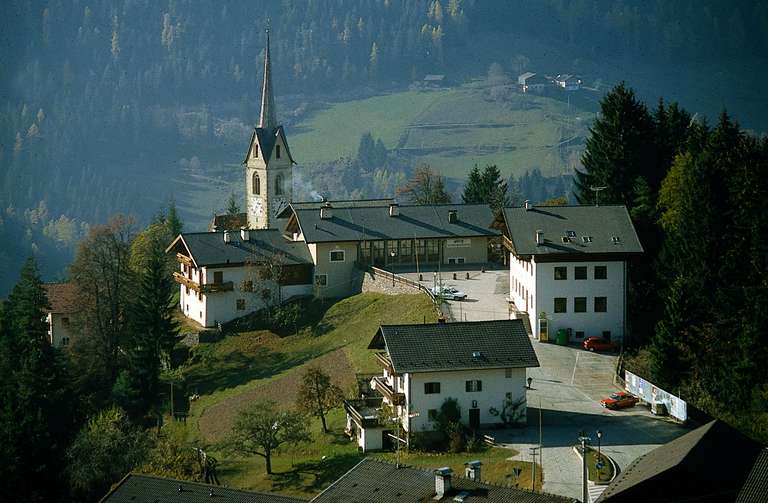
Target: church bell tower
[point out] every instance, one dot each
(268, 163)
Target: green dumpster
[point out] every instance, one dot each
(562, 337)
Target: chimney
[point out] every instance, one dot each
(539, 237)
(245, 234)
(325, 210)
(227, 237)
(453, 216)
(442, 481)
(528, 205)
(394, 209)
(441, 319)
(472, 470)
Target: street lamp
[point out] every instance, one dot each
(599, 437)
(392, 255)
(530, 380)
(584, 440)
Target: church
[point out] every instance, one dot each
(281, 249)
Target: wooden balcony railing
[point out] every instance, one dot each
(381, 386)
(207, 288)
(364, 411)
(183, 259)
(383, 360)
(507, 243)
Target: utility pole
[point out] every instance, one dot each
(584, 474)
(533, 467)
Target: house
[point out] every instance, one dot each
(225, 275)
(692, 468)
(433, 80)
(374, 481)
(535, 83)
(135, 488)
(481, 364)
(341, 236)
(568, 268)
(64, 305)
(228, 222)
(568, 82)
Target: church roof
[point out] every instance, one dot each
(266, 139)
(209, 248)
(268, 117)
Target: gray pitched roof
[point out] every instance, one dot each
(144, 488)
(456, 346)
(344, 203)
(600, 223)
(209, 248)
(755, 490)
(683, 469)
(374, 222)
(373, 481)
(266, 138)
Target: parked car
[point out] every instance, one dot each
(619, 400)
(599, 344)
(448, 292)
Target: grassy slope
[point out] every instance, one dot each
(452, 129)
(231, 373)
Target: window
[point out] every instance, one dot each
(277, 151)
(508, 373)
(601, 304)
(65, 341)
(586, 239)
(601, 272)
(256, 184)
(432, 414)
(321, 279)
(255, 150)
(406, 250)
(580, 272)
(218, 277)
(579, 334)
(65, 322)
(241, 304)
(199, 295)
(580, 305)
(248, 285)
(337, 256)
(279, 184)
(474, 386)
(607, 335)
(561, 273)
(431, 388)
(561, 305)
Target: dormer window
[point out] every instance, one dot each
(256, 184)
(277, 151)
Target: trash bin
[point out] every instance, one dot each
(562, 337)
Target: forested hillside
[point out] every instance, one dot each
(115, 106)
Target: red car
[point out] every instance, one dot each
(599, 344)
(619, 400)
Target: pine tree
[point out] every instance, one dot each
(486, 188)
(173, 221)
(232, 207)
(35, 412)
(473, 188)
(619, 148)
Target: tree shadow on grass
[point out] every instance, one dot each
(320, 472)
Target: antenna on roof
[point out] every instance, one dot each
(597, 190)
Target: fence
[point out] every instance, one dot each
(652, 394)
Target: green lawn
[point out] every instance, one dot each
(231, 373)
(451, 129)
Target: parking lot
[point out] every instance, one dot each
(567, 389)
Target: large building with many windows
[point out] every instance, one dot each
(568, 268)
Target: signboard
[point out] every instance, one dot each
(458, 243)
(652, 394)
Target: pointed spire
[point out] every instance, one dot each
(267, 119)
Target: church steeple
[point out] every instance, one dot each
(267, 119)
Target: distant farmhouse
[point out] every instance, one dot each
(481, 364)
(568, 82)
(63, 307)
(534, 83)
(568, 267)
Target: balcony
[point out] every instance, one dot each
(380, 385)
(383, 360)
(207, 288)
(507, 243)
(183, 259)
(364, 411)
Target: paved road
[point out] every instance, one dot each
(567, 388)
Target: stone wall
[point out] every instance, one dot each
(380, 284)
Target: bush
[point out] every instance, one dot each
(456, 437)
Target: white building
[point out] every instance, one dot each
(568, 82)
(482, 365)
(226, 275)
(63, 303)
(568, 266)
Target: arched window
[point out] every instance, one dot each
(279, 185)
(256, 184)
